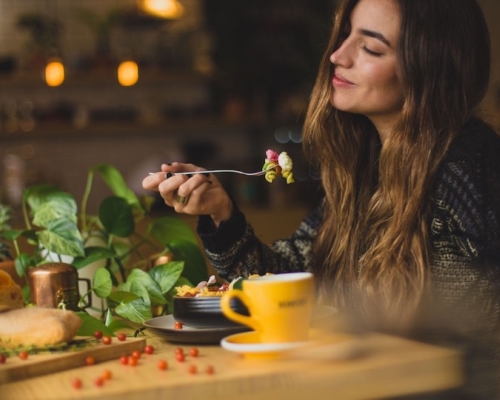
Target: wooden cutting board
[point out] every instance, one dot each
(43, 363)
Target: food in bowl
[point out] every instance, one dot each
(199, 306)
(210, 288)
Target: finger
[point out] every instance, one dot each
(153, 180)
(196, 202)
(182, 200)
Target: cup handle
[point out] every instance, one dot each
(89, 297)
(235, 316)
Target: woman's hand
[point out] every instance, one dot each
(197, 194)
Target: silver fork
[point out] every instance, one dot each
(218, 171)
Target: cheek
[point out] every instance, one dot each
(386, 83)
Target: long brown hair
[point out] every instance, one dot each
(374, 241)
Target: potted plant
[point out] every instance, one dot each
(7, 263)
(130, 243)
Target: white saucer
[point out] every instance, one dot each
(322, 343)
(248, 345)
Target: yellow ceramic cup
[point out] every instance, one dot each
(280, 306)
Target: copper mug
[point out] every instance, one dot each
(56, 283)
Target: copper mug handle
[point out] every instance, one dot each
(88, 302)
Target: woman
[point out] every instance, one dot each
(410, 223)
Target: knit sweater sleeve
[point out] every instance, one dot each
(234, 250)
(465, 229)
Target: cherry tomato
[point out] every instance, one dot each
(149, 349)
(124, 360)
(23, 355)
(177, 325)
(192, 369)
(106, 339)
(194, 352)
(180, 357)
(76, 383)
(133, 361)
(210, 369)
(136, 354)
(122, 337)
(179, 350)
(162, 364)
(106, 375)
(3, 358)
(90, 360)
(98, 334)
(99, 381)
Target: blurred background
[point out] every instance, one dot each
(136, 83)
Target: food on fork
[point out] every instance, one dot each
(278, 164)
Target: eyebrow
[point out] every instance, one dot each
(375, 35)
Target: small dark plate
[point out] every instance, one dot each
(164, 327)
(205, 312)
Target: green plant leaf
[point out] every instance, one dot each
(135, 311)
(31, 235)
(114, 180)
(108, 318)
(119, 324)
(116, 216)
(166, 275)
(125, 287)
(22, 263)
(91, 325)
(57, 206)
(101, 283)
(12, 234)
(62, 237)
(140, 280)
(167, 229)
(121, 296)
(37, 195)
(195, 268)
(92, 254)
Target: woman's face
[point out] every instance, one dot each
(365, 77)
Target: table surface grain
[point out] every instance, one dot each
(385, 366)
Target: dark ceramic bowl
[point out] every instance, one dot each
(205, 312)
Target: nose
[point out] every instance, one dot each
(341, 55)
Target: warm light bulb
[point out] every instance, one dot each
(128, 73)
(170, 9)
(54, 73)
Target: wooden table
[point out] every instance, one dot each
(387, 366)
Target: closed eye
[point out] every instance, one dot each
(371, 52)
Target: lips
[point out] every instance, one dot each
(339, 81)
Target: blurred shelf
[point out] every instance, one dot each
(107, 77)
(183, 126)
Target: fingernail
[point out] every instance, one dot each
(168, 175)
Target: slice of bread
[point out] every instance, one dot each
(11, 295)
(37, 326)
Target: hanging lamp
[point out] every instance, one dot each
(54, 73)
(128, 73)
(168, 9)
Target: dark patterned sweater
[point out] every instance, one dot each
(465, 227)
(465, 250)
